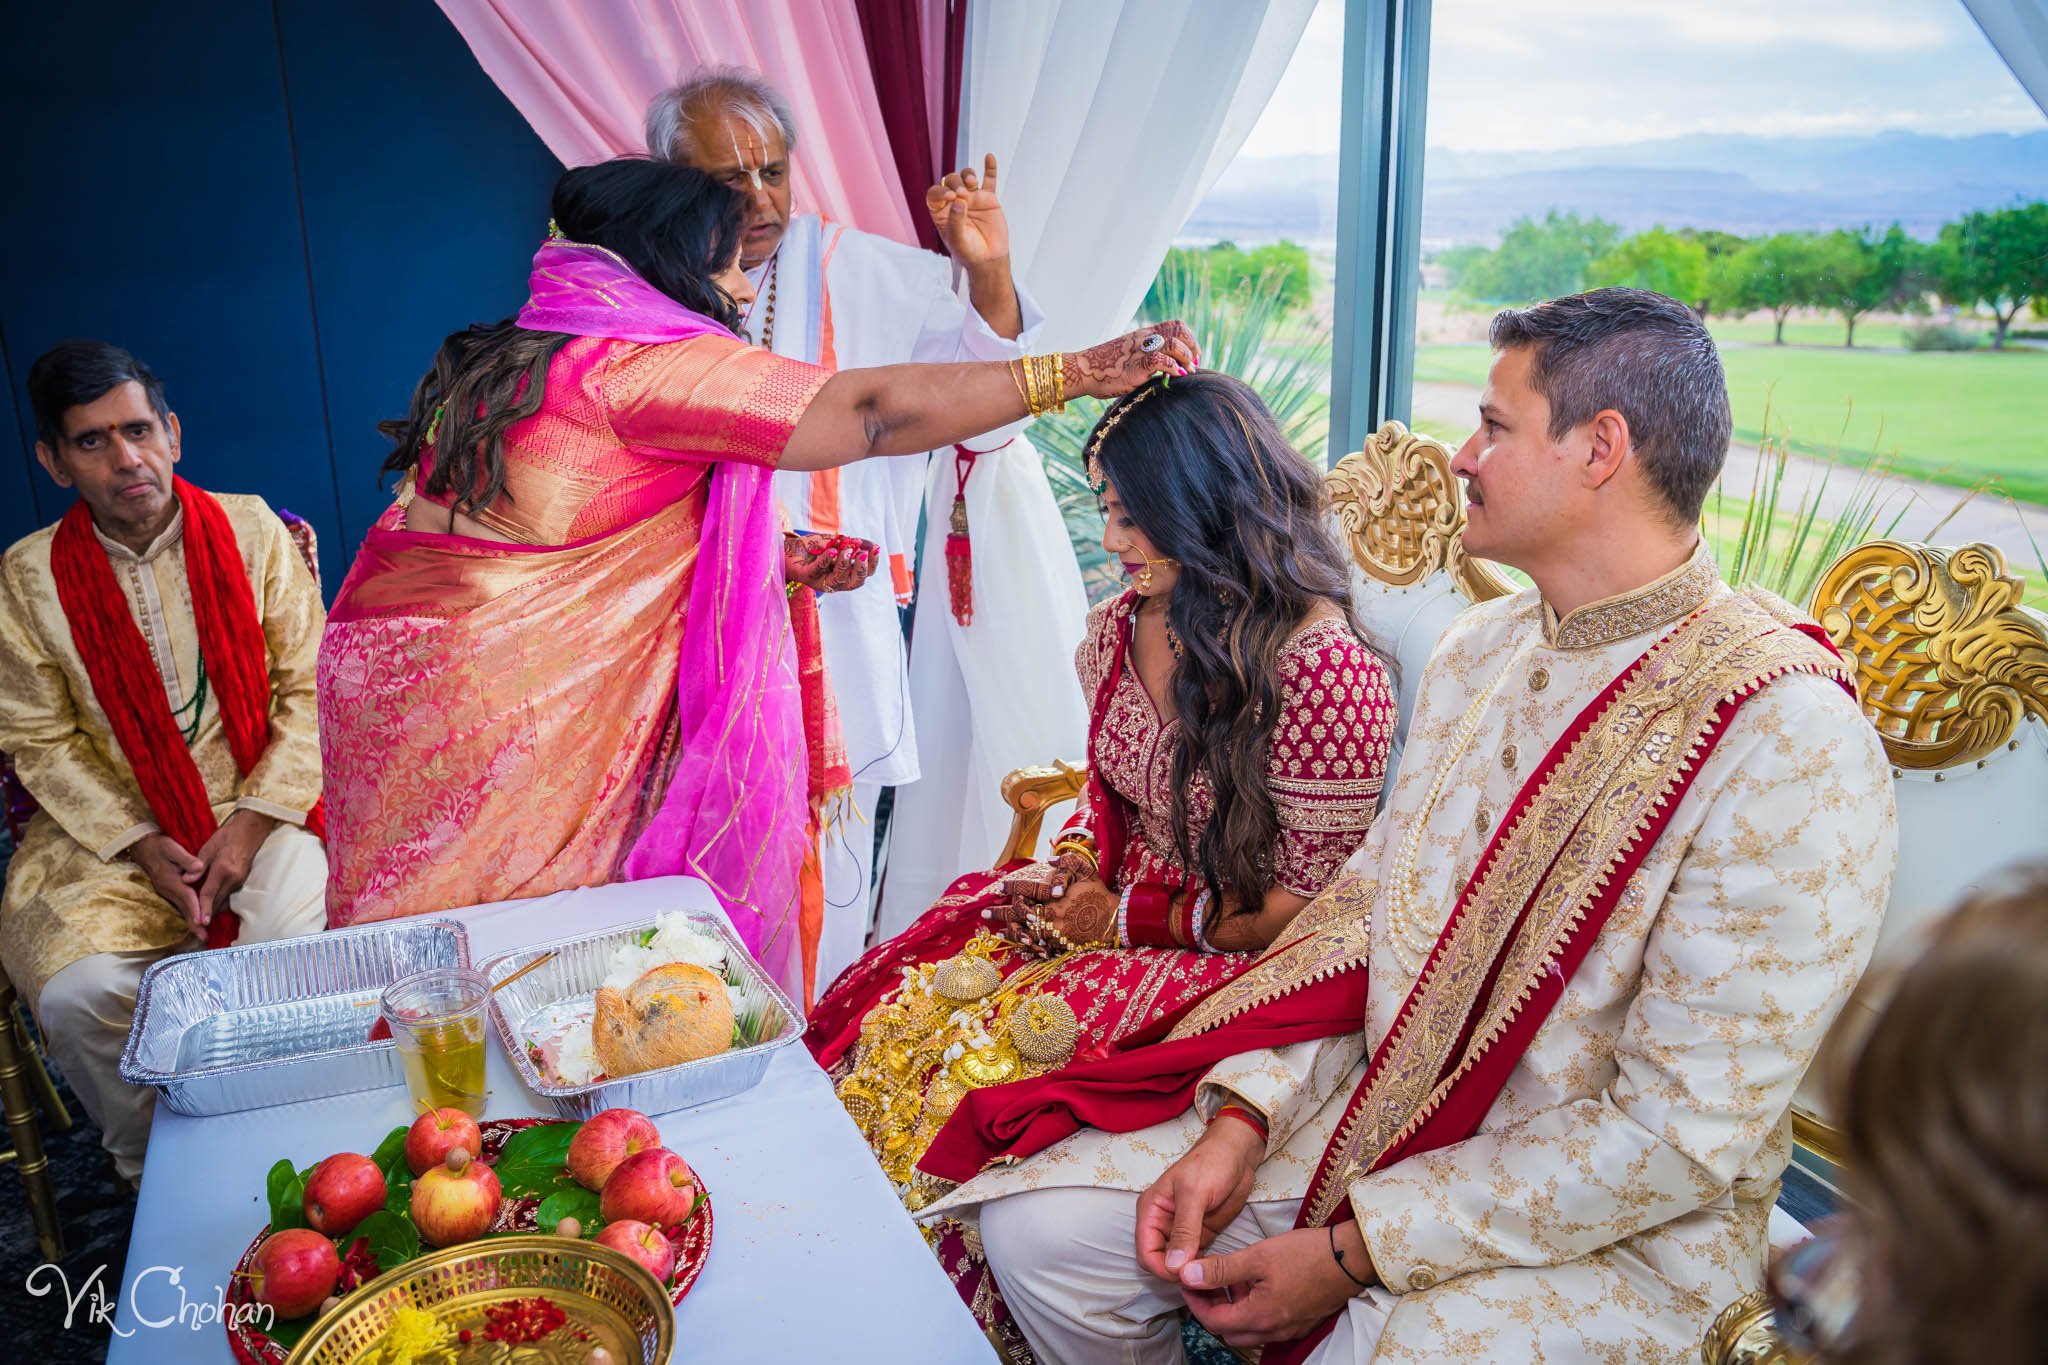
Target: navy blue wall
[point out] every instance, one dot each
(281, 207)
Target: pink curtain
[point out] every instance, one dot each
(582, 75)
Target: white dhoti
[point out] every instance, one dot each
(1069, 1273)
(88, 1007)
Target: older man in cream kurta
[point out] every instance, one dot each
(1615, 1191)
(81, 918)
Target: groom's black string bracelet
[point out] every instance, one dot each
(1362, 1284)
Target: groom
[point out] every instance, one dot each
(1633, 865)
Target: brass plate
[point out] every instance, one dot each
(606, 1296)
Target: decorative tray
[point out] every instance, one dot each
(272, 1023)
(460, 1282)
(547, 999)
(487, 1291)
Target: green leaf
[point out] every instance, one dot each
(576, 1202)
(533, 1162)
(390, 1154)
(287, 1191)
(645, 939)
(287, 1331)
(398, 1191)
(393, 1239)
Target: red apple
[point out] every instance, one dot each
(643, 1243)
(295, 1271)
(605, 1140)
(653, 1187)
(435, 1134)
(342, 1191)
(455, 1201)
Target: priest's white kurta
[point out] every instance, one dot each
(847, 299)
(1616, 1194)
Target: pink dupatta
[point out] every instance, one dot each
(735, 812)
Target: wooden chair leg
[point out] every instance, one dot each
(54, 1108)
(17, 1104)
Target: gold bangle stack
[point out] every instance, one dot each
(1043, 386)
(1081, 846)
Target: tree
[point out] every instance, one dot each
(1657, 260)
(1539, 260)
(1862, 271)
(1280, 269)
(1780, 272)
(1717, 293)
(1997, 258)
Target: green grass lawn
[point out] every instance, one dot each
(1955, 418)
(1811, 332)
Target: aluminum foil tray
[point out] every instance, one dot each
(274, 1023)
(539, 1001)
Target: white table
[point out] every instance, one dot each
(812, 1258)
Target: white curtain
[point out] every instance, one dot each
(1112, 119)
(2019, 30)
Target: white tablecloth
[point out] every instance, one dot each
(812, 1258)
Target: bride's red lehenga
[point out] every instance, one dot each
(1326, 761)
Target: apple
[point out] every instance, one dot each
(455, 1201)
(295, 1271)
(605, 1140)
(436, 1133)
(653, 1187)
(342, 1191)
(643, 1243)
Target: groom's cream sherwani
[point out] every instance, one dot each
(1616, 1194)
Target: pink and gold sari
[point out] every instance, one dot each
(612, 690)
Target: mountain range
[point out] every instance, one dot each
(1744, 184)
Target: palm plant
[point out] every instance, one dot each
(1248, 332)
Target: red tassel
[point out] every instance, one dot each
(960, 564)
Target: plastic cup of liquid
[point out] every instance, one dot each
(437, 1022)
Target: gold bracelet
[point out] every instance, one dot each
(1085, 852)
(1050, 383)
(1031, 382)
(1014, 379)
(1059, 382)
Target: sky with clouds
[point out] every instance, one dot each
(1513, 74)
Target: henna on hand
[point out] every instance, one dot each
(828, 563)
(1114, 368)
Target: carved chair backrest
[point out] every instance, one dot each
(1401, 513)
(1953, 670)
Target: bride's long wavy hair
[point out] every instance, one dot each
(1203, 470)
(674, 225)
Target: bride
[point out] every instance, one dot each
(1238, 735)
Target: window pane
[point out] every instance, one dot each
(1806, 175)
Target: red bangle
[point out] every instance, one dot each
(1245, 1116)
(1148, 923)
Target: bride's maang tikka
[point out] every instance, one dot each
(1096, 479)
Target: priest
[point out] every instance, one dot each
(156, 696)
(1518, 1088)
(835, 296)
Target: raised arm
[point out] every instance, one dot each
(905, 409)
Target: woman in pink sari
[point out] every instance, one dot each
(566, 655)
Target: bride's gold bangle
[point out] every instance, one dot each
(1080, 848)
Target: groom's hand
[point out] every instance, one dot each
(1277, 1289)
(1197, 1197)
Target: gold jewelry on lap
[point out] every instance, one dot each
(951, 1027)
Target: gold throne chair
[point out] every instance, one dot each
(1400, 513)
(1953, 672)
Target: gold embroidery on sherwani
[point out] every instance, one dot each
(1592, 808)
(1596, 804)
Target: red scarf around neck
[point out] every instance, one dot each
(128, 688)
